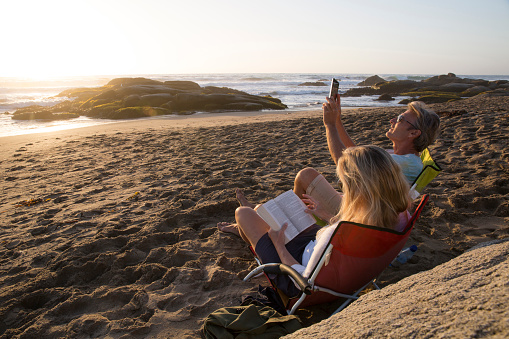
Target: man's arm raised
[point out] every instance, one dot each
(343, 134)
(337, 137)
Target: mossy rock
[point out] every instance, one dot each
(438, 94)
(371, 81)
(99, 99)
(101, 110)
(433, 97)
(92, 103)
(275, 100)
(395, 87)
(275, 105)
(44, 115)
(131, 100)
(360, 91)
(82, 93)
(438, 98)
(142, 90)
(420, 93)
(455, 87)
(473, 91)
(407, 101)
(31, 109)
(124, 82)
(385, 97)
(108, 95)
(183, 85)
(220, 90)
(158, 98)
(155, 100)
(65, 116)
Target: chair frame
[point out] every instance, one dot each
(308, 286)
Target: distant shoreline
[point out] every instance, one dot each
(18, 93)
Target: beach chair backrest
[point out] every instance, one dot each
(429, 171)
(361, 252)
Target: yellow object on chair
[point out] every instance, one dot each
(429, 171)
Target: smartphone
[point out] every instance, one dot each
(334, 86)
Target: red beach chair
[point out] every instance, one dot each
(354, 257)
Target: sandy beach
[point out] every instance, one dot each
(110, 231)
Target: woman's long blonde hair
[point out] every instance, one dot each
(374, 187)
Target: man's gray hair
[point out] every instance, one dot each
(427, 122)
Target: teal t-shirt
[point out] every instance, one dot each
(410, 164)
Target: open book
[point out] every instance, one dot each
(286, 208)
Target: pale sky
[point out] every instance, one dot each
(44, 38)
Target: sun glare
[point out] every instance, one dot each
(59, 38)
(53, 42)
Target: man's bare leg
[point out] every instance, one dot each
(251, 226)
(242, 199)
(228, 227)
(233, 227)
(303, 179)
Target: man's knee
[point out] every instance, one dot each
(306, 176)
(243, 212)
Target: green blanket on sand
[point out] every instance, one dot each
(252, 321)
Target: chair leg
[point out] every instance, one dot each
(343, 305)
(353, 296)
(297, 304)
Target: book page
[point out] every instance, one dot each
(294, 210)
(273, 215)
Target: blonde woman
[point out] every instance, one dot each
(375, 192)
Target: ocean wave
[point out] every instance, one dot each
(273, 93)
(258, 78)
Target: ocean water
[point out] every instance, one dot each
(18, 92)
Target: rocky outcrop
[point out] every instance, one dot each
(472, 91)
(385, 97)
(126, 98)
(466, 297)
(395, 87)
(43, 115)
(372, 80)
(437, 89)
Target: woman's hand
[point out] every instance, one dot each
(311, 203)
(314, 208)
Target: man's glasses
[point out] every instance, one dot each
(402, 118)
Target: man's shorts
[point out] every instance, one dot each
(326, 195)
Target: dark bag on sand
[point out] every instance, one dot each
(249, 322)
(266, 296)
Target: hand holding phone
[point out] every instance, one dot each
(334, 87)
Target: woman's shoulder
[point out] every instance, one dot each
(402, 221)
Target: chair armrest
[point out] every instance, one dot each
(282, 269)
